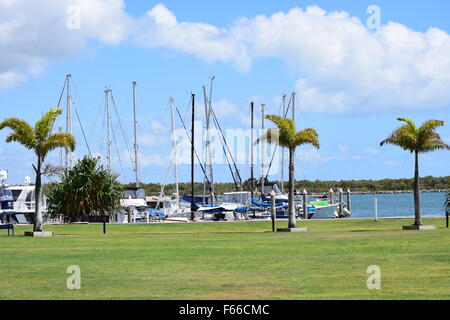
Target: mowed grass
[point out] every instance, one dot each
(229, 261)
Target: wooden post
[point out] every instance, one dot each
(272, 208)
(129, 214)
(349, 201)
(376, 208)
(104, 224)
(305, 204)
(341, 204)
(330, 195)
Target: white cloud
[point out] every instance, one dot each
(158, 127)
(10, 79)
(371, 151)
(150, 160)
(225, 109)
(389, 163)
(160, 28)
(342, 66)
(153, 140)
(343, 148)
(313, 156)
(145, 160)
(34, 34)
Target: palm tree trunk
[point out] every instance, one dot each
(292, 218)
(418, 218)
(37, 198)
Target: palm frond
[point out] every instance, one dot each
(431, 125)
(57, 140)
(422, 139)
(427, 132)
(409, 123)
(404, 137)
(287, 130)
(433, 143)
(22, 132)
(52, 170)
(43, 126)
(307, 136)
(282, 123)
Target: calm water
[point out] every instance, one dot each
(396, 205)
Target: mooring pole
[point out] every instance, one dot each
(305, 204)
(349, 200)
(330, 195)
(129, 215)
(272, 209)
(376, 208)
(341, 204)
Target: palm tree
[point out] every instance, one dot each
(286, 136)
(417, 140)
(41, 140)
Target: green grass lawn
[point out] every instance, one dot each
(229, 261)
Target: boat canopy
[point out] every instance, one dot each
(133, 203)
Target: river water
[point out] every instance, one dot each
(396, 205)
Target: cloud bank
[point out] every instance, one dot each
(342, 66)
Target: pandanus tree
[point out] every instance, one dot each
(417, 140)
(86, 189)
(287, 136)
(41, 140)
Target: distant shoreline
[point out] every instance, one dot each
(400, 191)
(387, 192)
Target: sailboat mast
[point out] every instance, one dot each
(68, 119)
(211, 177)
(262, 149)
(192, 158)
(282, 149)
(205, 98)
(60, 151)
(108, 124)
(174, 152)
(252, 107)
(134, 83)
(293, 106)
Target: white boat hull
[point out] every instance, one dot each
(326, 212)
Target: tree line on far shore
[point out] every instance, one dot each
(317, 186)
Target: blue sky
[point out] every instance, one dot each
(351, 82)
